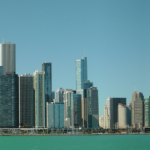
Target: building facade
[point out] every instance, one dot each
(47, 68)
(129, 115)
(77, 109)
(68, 108)
(1, 70)
(122, 116)
(38, 85)
(81, 74)
(105, 119)
(135, 96)
(86, 85)
(8, 58)
(9, 117)
(114, 111)
(138, 113)
(59, 95)
(26, 101)
(92, 108)
(147, 111)
(55, 115)
(72, 109)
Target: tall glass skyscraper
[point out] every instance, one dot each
(38, 85)
(55, 114)
(81, 74)
(92, 108)
(77, 109)
(86, 85)
(147, 111)
(47, 68)
(9, 101)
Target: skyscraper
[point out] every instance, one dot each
(92, 108)
(8, 57)
(9, 101)
(138, 113)
(72, 109)
(26, 101)
(114, 110)
(59, 95)
(147, 111)
(47, 68)
(77, 109)
(68, 108)
(105, 119)
(122, 116)
(81, 74)
(110, 117)
(38, 85)
(86, 85)
(129, 114)
(55, 114)
(139, 108)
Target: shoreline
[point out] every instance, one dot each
(73, 134)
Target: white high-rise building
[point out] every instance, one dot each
(38, 85)
(104, 121)
(59, 95)
(122, 116)
(8, 57)
(68, 108)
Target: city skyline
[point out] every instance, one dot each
(115, 36)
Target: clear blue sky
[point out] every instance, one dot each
(115, 33)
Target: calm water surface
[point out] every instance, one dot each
(76, 142)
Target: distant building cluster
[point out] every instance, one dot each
(28, 100)
(118, 115)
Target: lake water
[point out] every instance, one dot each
(76, 142)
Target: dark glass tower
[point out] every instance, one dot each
(77, 109)
(9, 116)
(92, 108)
(26, 101)
(114, 110)
(47, 68)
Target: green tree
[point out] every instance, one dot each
(84, 131)
(110, 131)
(59, 131)
(134, 130)
(91, 131)
(102, 130)
(25, 131)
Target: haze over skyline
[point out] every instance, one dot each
(115, 35)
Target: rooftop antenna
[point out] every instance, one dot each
(3, 40)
